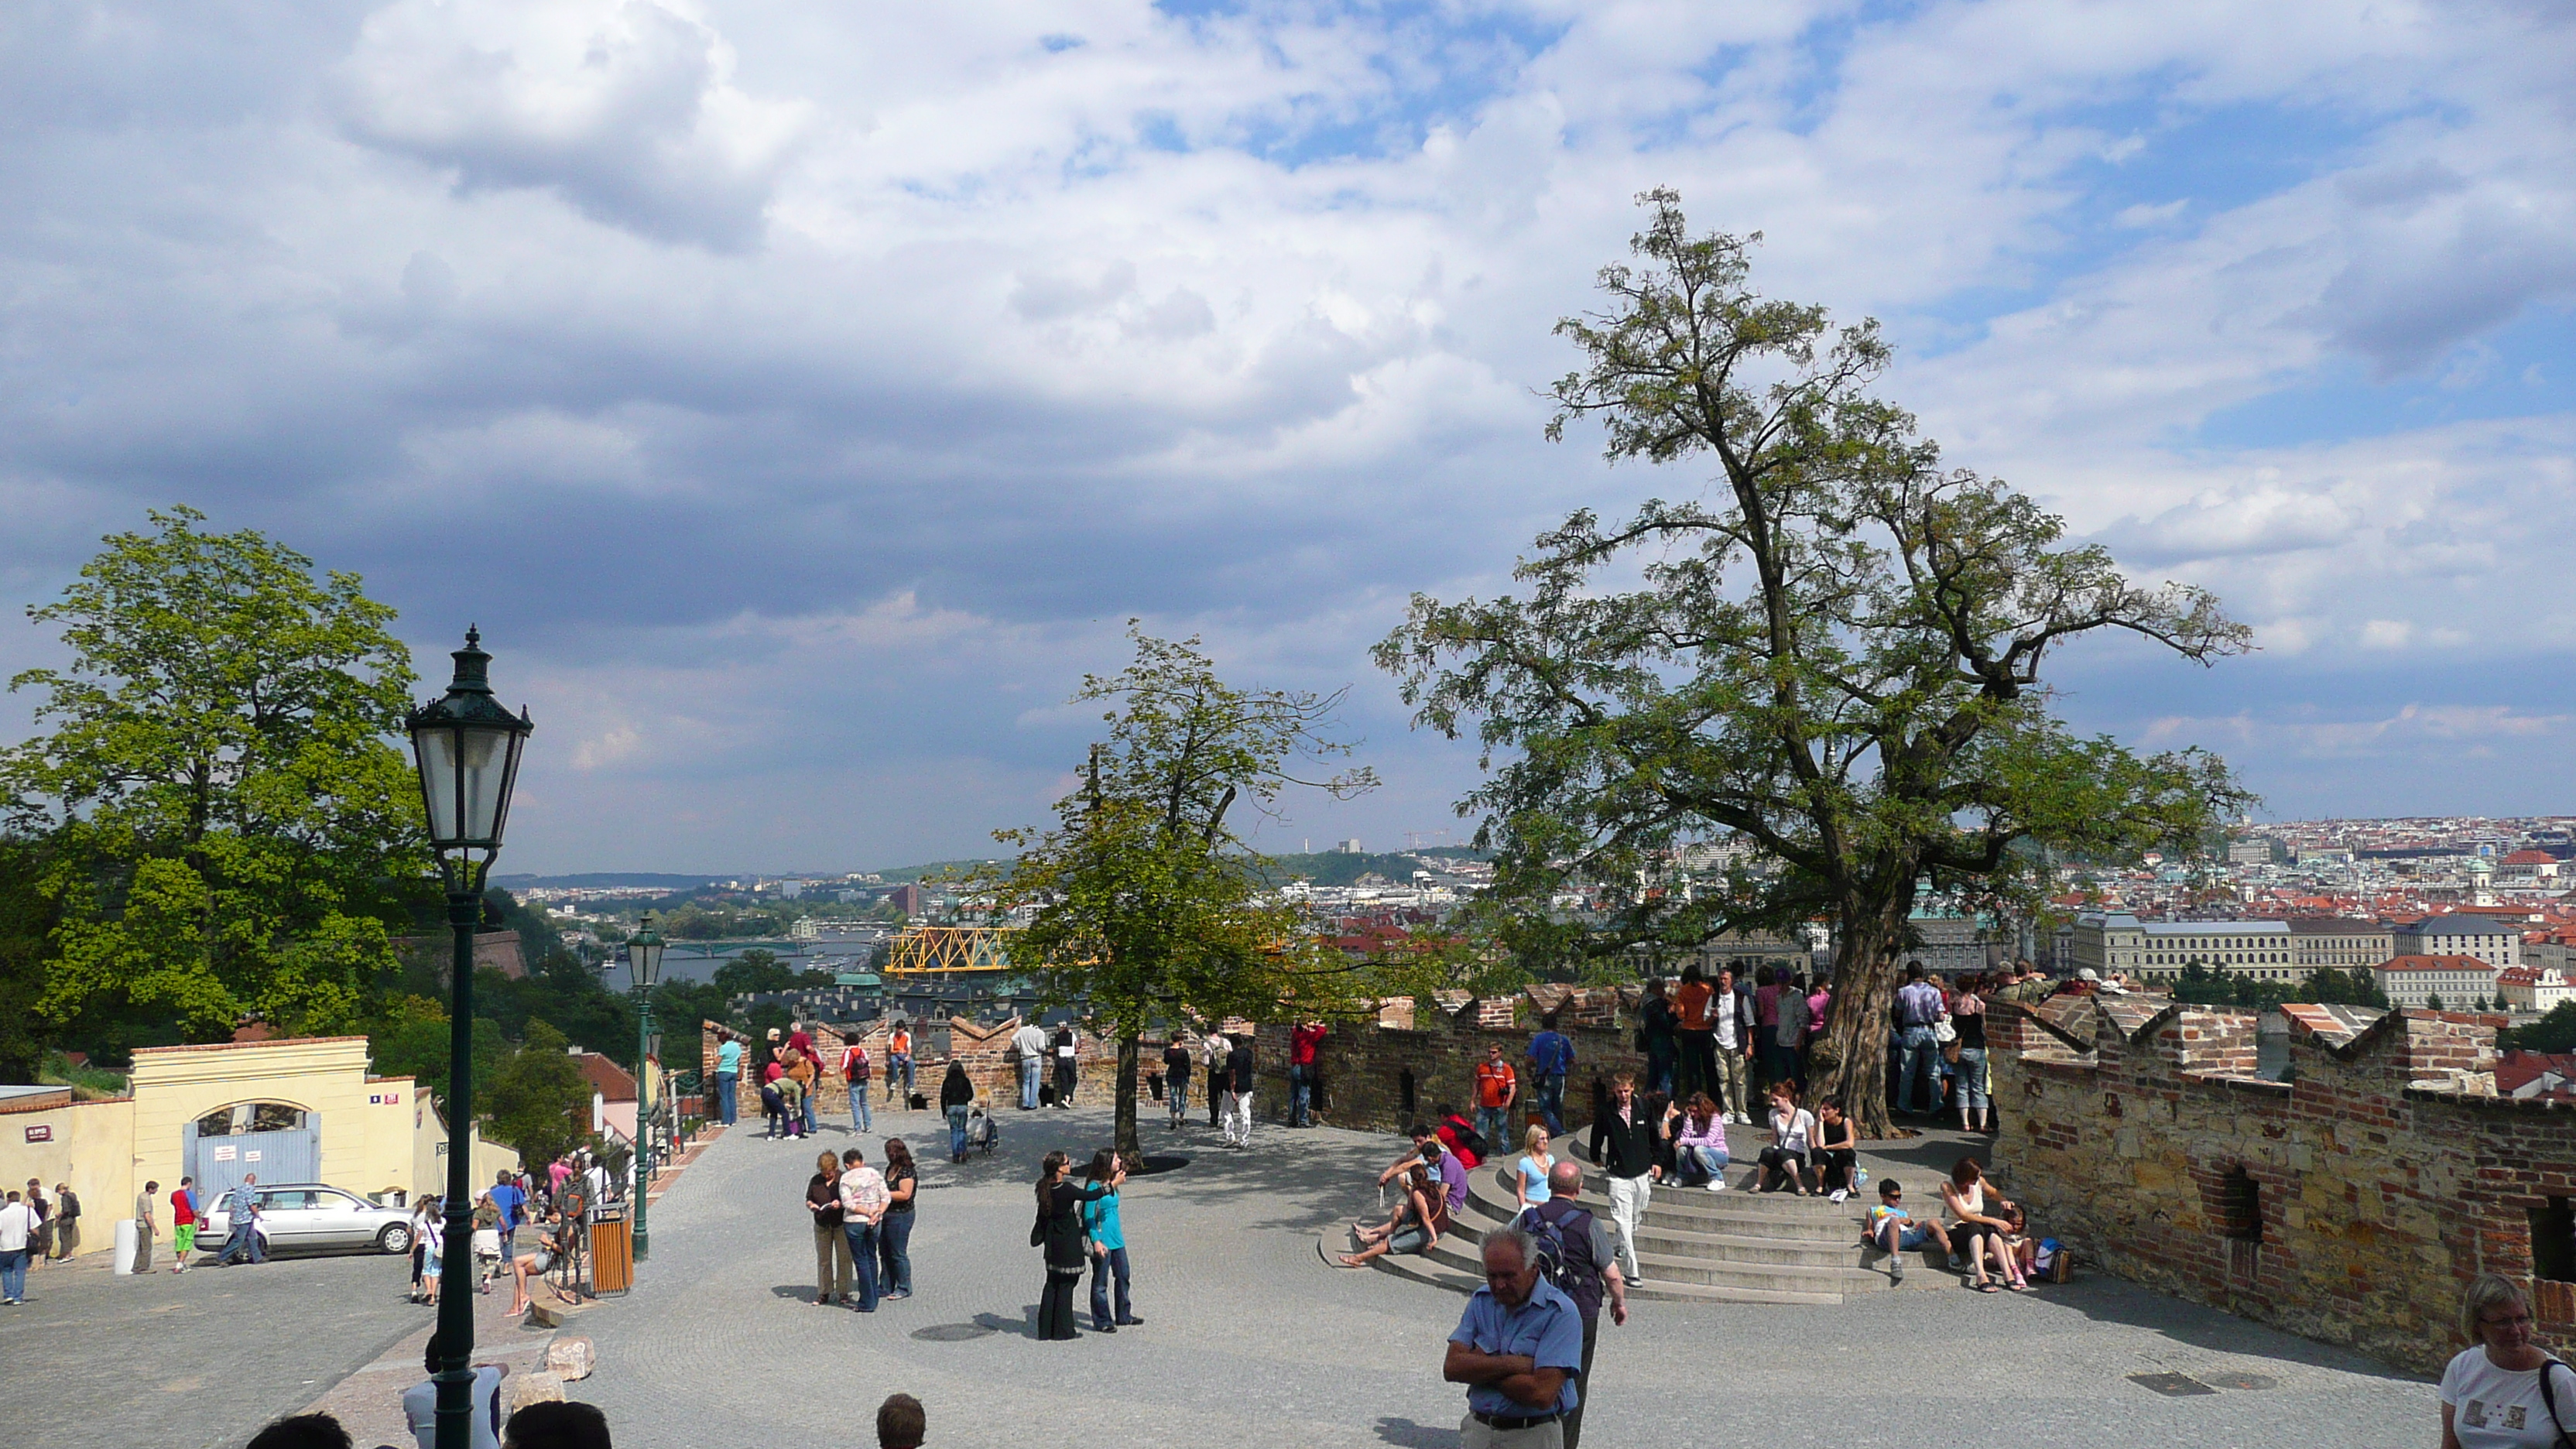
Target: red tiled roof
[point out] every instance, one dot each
(613, 1082)
(2434, 963)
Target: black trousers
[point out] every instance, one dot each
(1696, 1071)
(1835, 1163)
(1055, 1306)
(1582, 1386)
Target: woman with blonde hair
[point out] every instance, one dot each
(1529, 1175)
(2502, 1391)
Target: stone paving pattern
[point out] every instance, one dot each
(1250, 1339)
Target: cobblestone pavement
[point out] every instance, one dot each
(198, 1360)
(1250, 1339)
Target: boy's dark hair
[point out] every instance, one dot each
(901, 1423)
(1889, 1187)
(853, 1157)
(301, 1431)
(1420, 1130)
(561, 1424)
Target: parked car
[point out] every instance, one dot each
(311, 1217)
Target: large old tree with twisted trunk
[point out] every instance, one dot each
(1828, 664)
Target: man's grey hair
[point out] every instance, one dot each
(1520, 1242)
(1565, 1178)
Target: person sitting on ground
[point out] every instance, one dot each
(1793, 1130)
(2019, 1245)
(558, 1424)
(1529, 1175)
(420, 1401)
(901, 1424)
(301, 1431)
(1435, 1188)
(1977, 1219)
(1837, 1150)
(1699, 1146)
(1892, 1230)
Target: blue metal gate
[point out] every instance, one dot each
(220, 1163)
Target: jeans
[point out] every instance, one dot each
(1301, 1093)
(724, 1096)
(1029, 1083)
(13, 1276)
(894, 1247)
(1780, 1063)
(1702, 1164)
(1628, 1199)
(811, 1126)
(1659, 1065)
(1176, 1095)
(1104, 1267)
(898, 1076)
(863, 1261)
(1972, 1081)
(245, 1245)
(1551, 1102)
(1494, 1124)
(861, 1119)
(957, 1130)
(1583, 1385)
(1922, 1062)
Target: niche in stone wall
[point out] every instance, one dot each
(2553, 1239)
(1404, 1094)
(2240, 1217)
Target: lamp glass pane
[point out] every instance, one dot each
(484, 772)
(435, 750)
(644, 962)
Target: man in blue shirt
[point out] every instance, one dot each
(512, 1204)
(243, 1225)
(1518, 1348)
(1551, 1055)
(728, 1072)
(1918, 1008)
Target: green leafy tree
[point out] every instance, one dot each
(2344, 988)
(1835, 655)
(411, 1039)
(539, 1102)
(27, 921)
(2432, 1001)
(1144, 899)
(756, 970)
(225, 805)
(2554, 1032)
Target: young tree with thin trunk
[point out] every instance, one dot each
(1823, 668)
(1145, 902)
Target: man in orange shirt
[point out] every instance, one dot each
(1496, 1085)
(1696, 1071)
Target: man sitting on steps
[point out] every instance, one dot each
(1399, 1233)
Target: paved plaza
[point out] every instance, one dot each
(1250, 1339)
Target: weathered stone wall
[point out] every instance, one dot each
(1364, 1068)
(2351, 1203)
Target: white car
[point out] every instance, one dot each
(308, 1217)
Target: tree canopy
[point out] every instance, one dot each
(1143, 898)
(1832, 655)
(229, 826)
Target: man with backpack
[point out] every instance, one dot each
(854, 1070)
(1551, 1056)
(1574, 1254)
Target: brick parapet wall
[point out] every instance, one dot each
(1363, 1066)
(2348, 1203)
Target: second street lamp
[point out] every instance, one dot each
(466, 747)
(644, 966)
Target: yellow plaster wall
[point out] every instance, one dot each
(93, 1150)
(366, 1122)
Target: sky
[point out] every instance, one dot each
(802, 396)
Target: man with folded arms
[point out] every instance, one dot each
(1518, 1349)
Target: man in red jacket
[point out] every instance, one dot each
(1301, 1071)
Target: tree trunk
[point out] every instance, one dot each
(1864, 992)
(1130, 1151)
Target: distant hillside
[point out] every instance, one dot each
(604, 881)
(1330, 869)
(901, 873)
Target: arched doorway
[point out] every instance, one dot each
(279, 1141)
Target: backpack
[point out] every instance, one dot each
(1555, 1262)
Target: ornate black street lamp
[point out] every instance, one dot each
(466, 747)
(644, 965)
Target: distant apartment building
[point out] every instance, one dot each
(2460, 981)
(2533, 988)
(2249, 852)
(2109, 941)
(2498, 943)
(2340, 943)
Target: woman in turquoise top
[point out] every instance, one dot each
(1108, 1244)
(1531, 1171)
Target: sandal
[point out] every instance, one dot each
(1987, 1288)
(2018, 1287)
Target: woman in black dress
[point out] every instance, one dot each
(1059, 1231)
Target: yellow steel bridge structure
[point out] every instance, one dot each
(950, 950)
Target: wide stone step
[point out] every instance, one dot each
(1736, 1213)
(1729, 1248)
(1680, 1280)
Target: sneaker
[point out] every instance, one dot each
(1717, 1184)
(1896, 1269)
(1958, 1264)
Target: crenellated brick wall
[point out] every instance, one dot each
(1363, 1067)
(2351, 1203)
(986, 1051)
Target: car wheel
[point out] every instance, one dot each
(395, 1239)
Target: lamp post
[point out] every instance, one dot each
(644, 965)
(466, 747)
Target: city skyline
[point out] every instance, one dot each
(802, 404)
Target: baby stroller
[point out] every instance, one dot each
(982, 1133)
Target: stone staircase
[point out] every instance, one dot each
(1695, 1246)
